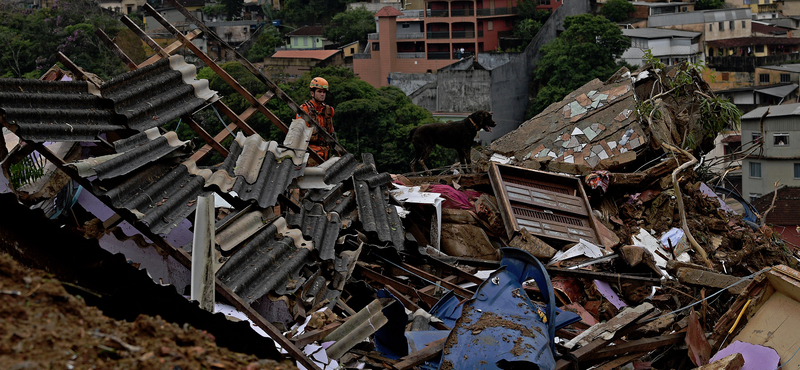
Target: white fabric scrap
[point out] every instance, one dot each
(583, 248)
(499, 158)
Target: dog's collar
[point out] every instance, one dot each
(473, 123)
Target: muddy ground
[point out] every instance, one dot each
(42, 326)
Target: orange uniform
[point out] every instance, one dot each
(324, 115)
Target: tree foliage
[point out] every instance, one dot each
(269, 38)
(709, 4)
(30, 39)
(310, 11)
(367, 120)
(527, 28)
(586, 50)
(617, 10)
(233, 8)
(351, 25)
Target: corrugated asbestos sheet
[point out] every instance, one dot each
(321, 227)
(55, 110)
(158, 93)
(132, 153)
(161, 195)
(269, 261)
(374, 210)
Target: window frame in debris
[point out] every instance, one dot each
(780, 139)
(755, 170)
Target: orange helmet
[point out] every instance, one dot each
(318, 83)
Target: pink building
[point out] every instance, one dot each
(424, 41)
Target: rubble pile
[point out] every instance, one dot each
(585, 238)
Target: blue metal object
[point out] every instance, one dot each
(389, 338)
(749, 211)
(500, 327)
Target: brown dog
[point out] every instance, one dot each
(457, 135)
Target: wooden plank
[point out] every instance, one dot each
(413, 307)
(315, 335)
(115, 49)
(617, 362)
(639, 345)
(405, 289)
(415, 358)
(143, 35)
(171, 48)
(431, 288)
(205, 135)
(604, 276)
(463, 275)
(459, 290)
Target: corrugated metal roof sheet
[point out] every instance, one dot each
(774, 111)
(158, 93)
(374, 211)
(55, 110)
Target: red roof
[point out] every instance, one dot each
(750, 41)
(733, 139)
(786, 205)
(388, 11)
(307, 31)
(763, 28)
(305, 54)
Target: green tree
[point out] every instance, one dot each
(708, 4)
(349, 26)
(295, 12)
(268, 39)
(586, 50)
(213, 10)
(233, 8)
(617, 10)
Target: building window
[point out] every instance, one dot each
(797, 170)
(759, 48)
(352, 50)
(763, 78)
(731, 25)
(755, 170)
(780, 139)
(726, 76)
(710, 27)
(406, 25)
(785, 77)
(744, 25)
(130, 9)
(722, 26)
(754, 196)
(756, 138)
(305, 41)
(490, 25)
(376, 47)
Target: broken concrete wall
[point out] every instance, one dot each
(411, 82)
(510, 81)
(464, 91)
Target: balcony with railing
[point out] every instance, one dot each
(414, 55)
(464, 34)
(438, 34)
(362, 56)
(412, 14)
(439, 55)
(496, 11)
(462, 12)
(434, 13)
(410, 35)
(372, 36)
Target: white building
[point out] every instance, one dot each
(670, 46)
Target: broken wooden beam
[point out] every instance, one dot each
(315, 335)
(403, 288)
(413, 359)
(413, 307)
(464, 293)
(604, 276)
(711, 279)
(639, 345)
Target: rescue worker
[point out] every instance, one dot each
(317, 108)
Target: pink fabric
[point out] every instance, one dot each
(454, 199)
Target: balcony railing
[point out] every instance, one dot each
(412, 14)
(749, 64)
(439, 35)
(416, 55)
(439, 55)
(410, 35)
(462, 12)
(372, 36)
(362, 56)
(437, 13)
(497, 11)
(463, 34)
